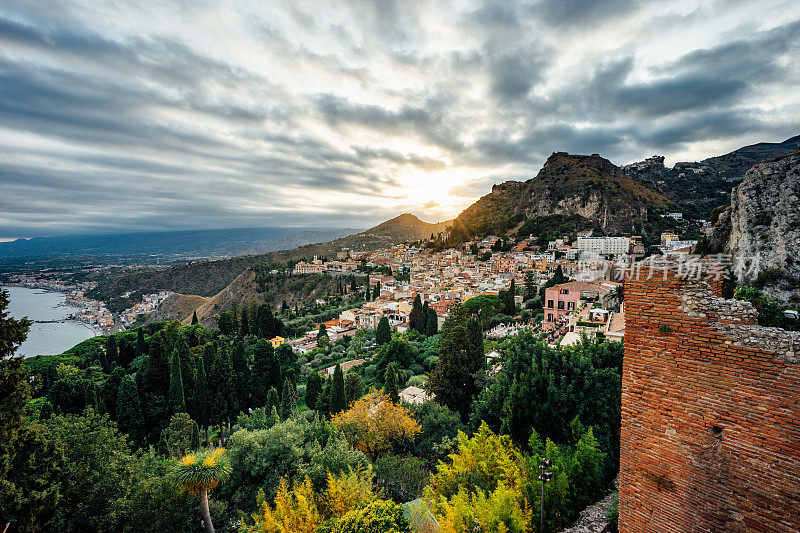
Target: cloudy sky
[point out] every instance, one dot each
(121, 115)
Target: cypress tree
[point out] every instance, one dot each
(432, 324)
(288, 399)
(338, 400)
(461, 360)
(130, 418)
(195, 440)
(376, 291)
(384, 333)
(273, 399)
(323, 404)
(141, 347)
(241, 371)
(353, 286)
(209, 354)
(112, 353)
(177, 402)
(201, 394)
(110, 389)
(314, 385)
(509, 307)
(244, 329)
(221, 389)
(284, 308)
(390, 384)
(266, 373)
(103, 358)
(153, 384)
(194, 318)
(530, 285)
(415, 317)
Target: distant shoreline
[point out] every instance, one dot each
(96, 330)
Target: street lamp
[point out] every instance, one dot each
(544, 477)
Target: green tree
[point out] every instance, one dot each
(290, 367)
(200, 401)
(390, 384)
(353, 387)
(273, 399)
(153, 384)
(266, 372)
(194, 318)
(112, 354)
(226, 323)
(141, 346)
(244, 328)
(130, 417)
(398, 352)
(221, 389)
(30, 477)
(288, 399)
(322, 336)
(314, 385)
(176, 439)
(530, 285)
(201, 472)
(241, 372)
(415, 318)
(97, 465)
(376, 291)
(509, 306)
(383, 333)
(432, 323)
(458, 372)
(109, 390)
(177, 402)
(338, 400)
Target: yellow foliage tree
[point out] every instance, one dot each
(300, 510)
(483, 485)
(377, 426)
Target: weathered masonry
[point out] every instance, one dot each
(710, 413)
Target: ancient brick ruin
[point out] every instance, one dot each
(710, 413)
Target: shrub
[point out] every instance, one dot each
(401, 478)
(378, 516)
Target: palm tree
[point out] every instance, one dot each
(200, 472)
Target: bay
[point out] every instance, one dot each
(48, 338)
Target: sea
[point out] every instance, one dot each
(47, 338)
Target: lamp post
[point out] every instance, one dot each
(544, 477)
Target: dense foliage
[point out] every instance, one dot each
(125, 432)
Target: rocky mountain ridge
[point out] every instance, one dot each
(586, 185)
(700, 186)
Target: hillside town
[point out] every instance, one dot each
(586, 305)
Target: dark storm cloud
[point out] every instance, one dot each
(159, 115)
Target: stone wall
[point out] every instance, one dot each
(710, 413)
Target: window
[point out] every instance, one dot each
(560, 304)
(571, 305)
(549, 317)
(550, 304)
(564, 291)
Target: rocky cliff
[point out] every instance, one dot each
(765, 225)
(586, 185)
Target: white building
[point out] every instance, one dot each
(604, 245)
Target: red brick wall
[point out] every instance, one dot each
(710, 435)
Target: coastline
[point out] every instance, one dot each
(96, 330)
